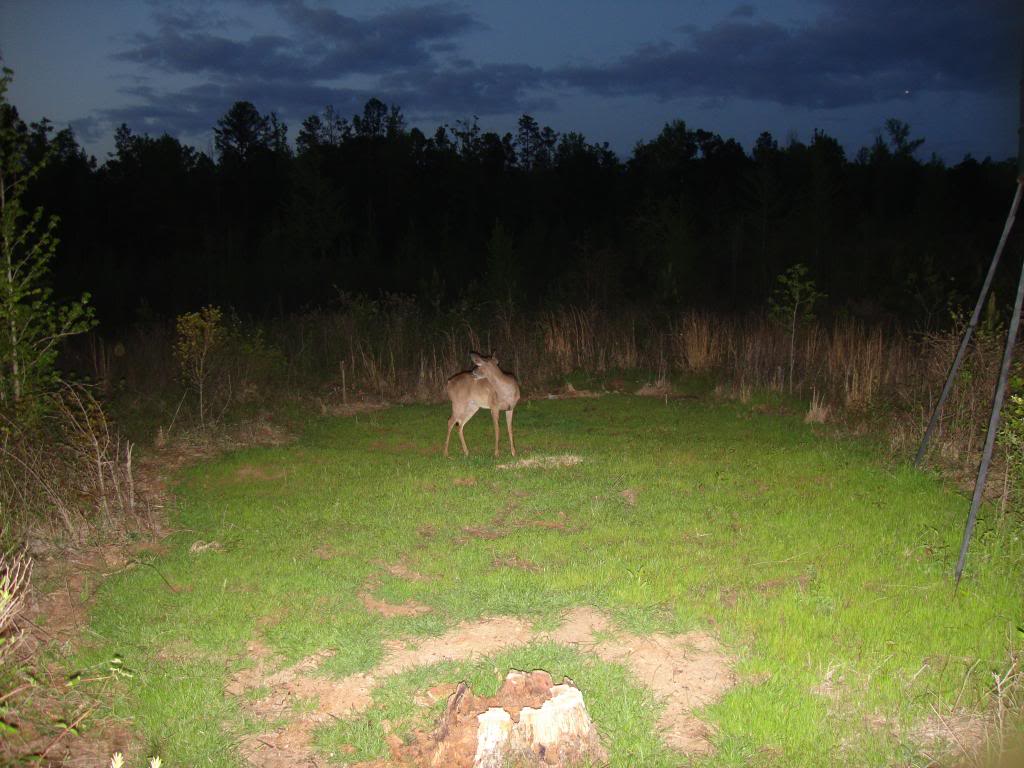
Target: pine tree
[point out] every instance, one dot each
(32, 324)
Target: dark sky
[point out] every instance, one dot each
(615, 70)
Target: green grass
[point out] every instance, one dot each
(808, 556)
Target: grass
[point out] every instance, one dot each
(824, 571)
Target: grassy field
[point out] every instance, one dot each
(822, 572)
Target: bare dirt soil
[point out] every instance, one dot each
(684, 672)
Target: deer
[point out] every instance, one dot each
(486, 386)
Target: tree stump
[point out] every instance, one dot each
(530, 722)
(559, 733)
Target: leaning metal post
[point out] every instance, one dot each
(948, 386)
(1004, 370)
(993, 424)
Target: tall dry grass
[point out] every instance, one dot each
(67, 474)
(392, 350)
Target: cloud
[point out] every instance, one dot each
(407, 56)
(193, 110)
(469, 88)
(844, 54)
(315, 43)
(852, 53)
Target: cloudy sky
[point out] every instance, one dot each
(615, 70)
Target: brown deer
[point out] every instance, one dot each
(486, 386)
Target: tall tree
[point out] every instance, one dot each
(242, 132)
(32, 324)
(374, 121)
(536, 145)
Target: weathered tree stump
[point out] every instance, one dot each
(529, 722)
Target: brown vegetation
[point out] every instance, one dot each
(869, 376)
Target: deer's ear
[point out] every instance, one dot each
(494, 357)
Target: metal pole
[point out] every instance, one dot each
(993, 424)
(1004, 370)
(948, 386)
(1020, 127)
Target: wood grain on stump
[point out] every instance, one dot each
(530, 721)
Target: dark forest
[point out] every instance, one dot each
(367, 205)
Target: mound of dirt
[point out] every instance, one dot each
(685, 672)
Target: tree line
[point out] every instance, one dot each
(464, 216)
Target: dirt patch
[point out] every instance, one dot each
(685, 672)
(729, 597)
(468, 640)
(95, 747)
(544, 462)
(464, 481)
(561, 524)
(629, 496)
(506, 522)
(290, 745)
(402, 571)
(325, 552)
(514, 561)
(479, 532)
(390, 610)
(831, 684)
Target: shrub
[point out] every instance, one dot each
(67, 472)
(199, 335)
(792, 303)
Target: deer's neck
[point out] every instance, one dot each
(506, 387)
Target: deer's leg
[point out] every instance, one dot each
(451, 423)
(466, 416)
(508, 423)
(497, 429)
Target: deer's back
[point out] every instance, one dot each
(463, 387)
